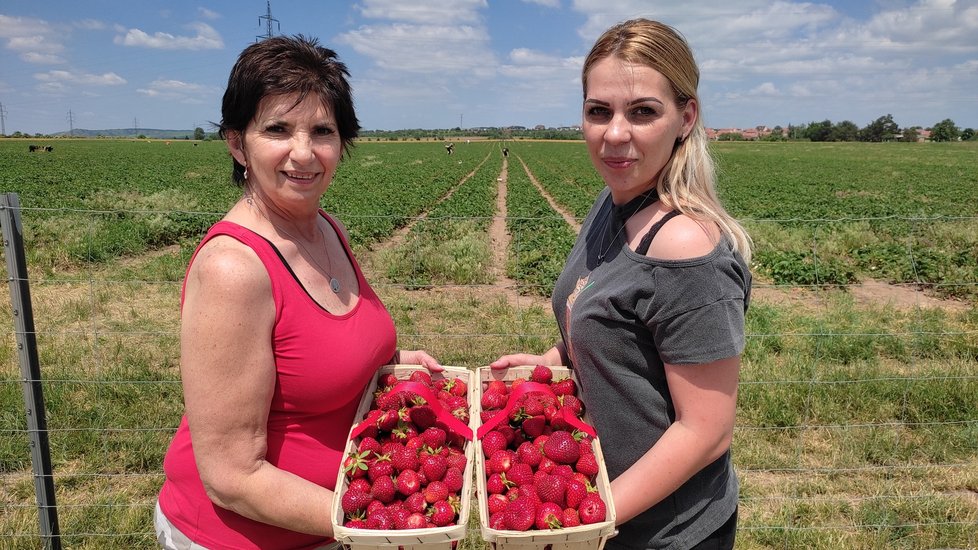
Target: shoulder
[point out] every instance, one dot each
(684, 238)
(227, 265)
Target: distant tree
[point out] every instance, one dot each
(844, 131)
(945, 130)
(910, 134)
(819, 131)
(968, 134)
(881, 129)
(730, 136)
(198, 133)
(16, 134)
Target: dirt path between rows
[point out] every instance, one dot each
(571, 220)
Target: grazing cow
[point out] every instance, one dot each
(33, 148)
(450, 148)
(49, 148)
(505, 151)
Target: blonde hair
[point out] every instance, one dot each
(688, 181)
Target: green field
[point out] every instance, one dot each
(857, 419)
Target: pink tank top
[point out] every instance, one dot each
(323, 363)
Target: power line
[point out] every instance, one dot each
(268, 22)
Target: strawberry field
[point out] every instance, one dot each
(857, 425)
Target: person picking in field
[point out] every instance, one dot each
(652, 298)
(280, 332)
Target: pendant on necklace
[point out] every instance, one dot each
(335, 285)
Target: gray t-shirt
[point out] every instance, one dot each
(620, 319)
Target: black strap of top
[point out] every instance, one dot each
(643, 246)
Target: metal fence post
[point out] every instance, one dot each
(23, 316)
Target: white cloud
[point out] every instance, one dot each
(766, 89)
(206, 39)
(426, 12)
(53, 78)
(178, 90)
(545, 3)
(90, 25)
(407, 48)
(42, 58)
(208, 14)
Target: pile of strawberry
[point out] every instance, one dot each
(540, 470)
(407, 471)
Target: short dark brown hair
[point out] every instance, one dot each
(283, 65)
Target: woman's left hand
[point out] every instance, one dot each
(419, 357)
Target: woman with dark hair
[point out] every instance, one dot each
(652, 299)
(280, 332)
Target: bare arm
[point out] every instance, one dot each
(228, 378)
(705, 398)
(553, 357)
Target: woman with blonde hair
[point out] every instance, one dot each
(652, 299)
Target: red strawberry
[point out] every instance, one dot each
(387, 380)
(355, 465)
(383, 489)
(497, 521)
(416, 520)
(380, 467)
(587, 465)
(497, 484)
(456, 458)
(355, 523)
(551, 488)
(549, 516)
(534, 426)
(416, 502)
(520, 473)
(422, 416)
(435, 491)
(433, 467)
(570, 518)
(387, 420)
(520, 514)
(528, 453)
(421, 377)
(564, 386)
(458, 388)
(441, 513)
(541, 374)
(592, 509)
(408, 483)
(434, 437)
(368, 444)
(496, 503)
(492, 442)
(454, 479)
(404, 458)
(500, 461)
(355, 501)
(493, 400)
(575, 492)
(562, 448)
(380, 519)
(496, 386)
(400, 515)
(360, 484)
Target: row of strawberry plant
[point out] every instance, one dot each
(450, 245)
(384, 186)
(565, 172)
(539, 238)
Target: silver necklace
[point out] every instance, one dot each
(334, 283)
(645, 197)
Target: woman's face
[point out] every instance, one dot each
(291, 152)
(631, 122)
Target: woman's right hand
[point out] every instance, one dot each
(553, 357)
(515, 360)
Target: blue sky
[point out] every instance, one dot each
(102, 64)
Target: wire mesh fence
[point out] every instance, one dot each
(857, 418)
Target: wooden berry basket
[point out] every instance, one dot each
(435, 538)
(584, 537)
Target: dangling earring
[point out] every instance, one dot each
(246, 173)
